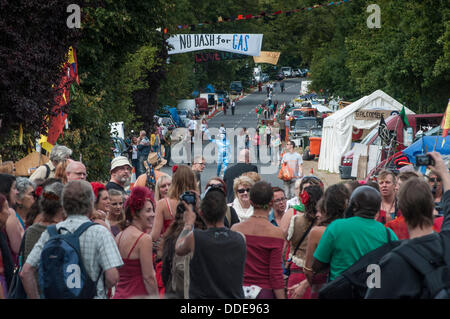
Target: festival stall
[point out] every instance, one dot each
(337, 131)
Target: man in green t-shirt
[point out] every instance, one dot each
(345, 241)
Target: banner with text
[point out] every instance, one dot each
(217, 56)
(247, 44)
(267, 57)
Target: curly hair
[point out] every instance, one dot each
(335, 202)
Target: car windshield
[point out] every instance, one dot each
(369, 136)
(305, 124)
(297, 113)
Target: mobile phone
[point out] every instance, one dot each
(424, 160)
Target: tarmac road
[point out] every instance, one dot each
(245, 116)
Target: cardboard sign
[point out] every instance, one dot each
(267, 57)
(373, 114)
(247, 44)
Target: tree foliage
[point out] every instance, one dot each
(126, 75)
(34, 45)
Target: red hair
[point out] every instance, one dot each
(136, 200)
(97, 187)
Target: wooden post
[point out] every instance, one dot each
(362, 167)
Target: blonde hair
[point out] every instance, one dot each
(158, 184)
(253, 175)
(242, 180)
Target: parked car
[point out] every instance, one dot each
(264, 77)
(296, 72)
(202, 105)
(236, 87)
(279, 76)
(304, 127)
(222, 97)
(396, 127)
(287, 71)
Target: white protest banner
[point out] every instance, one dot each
(248, 44)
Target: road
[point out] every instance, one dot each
(245, 116)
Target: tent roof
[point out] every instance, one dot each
(378, 100)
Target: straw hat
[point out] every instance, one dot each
(155, 161)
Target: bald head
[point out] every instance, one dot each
(75, 171)
(244, 156)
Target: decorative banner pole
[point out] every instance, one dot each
(445, 126)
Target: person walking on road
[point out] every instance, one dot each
(233, 105)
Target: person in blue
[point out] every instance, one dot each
(223, 152)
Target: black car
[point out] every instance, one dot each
(236, 87)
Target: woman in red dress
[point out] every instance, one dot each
(263, 265)
(137, 275)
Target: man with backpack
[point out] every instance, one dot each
(74, 258)
(420, 267)
(59, 154)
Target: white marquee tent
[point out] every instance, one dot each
(338, 127)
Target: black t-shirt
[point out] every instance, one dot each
(112, 185)
(217, 266)
(235, 171)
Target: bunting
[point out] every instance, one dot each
(264, 15)
(57, 121)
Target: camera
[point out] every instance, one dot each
(424, 160)
(189, 198)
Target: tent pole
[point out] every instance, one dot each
(437, 136)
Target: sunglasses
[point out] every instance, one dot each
(434, 180)
(243, 190)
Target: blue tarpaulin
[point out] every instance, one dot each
(426, 144)
(209, 89)
(173, 112)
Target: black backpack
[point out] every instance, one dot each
(435, 269)
(352, 283)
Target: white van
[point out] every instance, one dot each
(287, 71)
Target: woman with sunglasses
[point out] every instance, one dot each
(435, 183)
(241, 203)
(231, 216)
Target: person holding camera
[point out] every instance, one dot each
(175, 269)
(410, 270)
(216, 269)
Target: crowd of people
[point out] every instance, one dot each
(236, 237)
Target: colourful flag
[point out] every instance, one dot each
(445, 125)
(403, 117)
